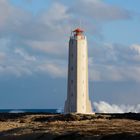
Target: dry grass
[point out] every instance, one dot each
(94, 125)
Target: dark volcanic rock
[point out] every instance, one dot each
(71, 136)
(123, 136)
(25, 126)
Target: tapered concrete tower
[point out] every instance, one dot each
(77, 90)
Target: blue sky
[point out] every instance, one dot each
(34, 38)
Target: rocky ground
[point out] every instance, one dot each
(25, 126)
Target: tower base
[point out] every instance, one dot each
(68, 108)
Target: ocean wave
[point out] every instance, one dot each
(16, 111)
(105, 107)
(59, 110)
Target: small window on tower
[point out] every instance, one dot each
(71, 68)
(71, 81)
(71, 42)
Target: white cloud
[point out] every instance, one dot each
(55, 70)
(4, 43)
(99, 10)
(2, 56)
(56, 13)
(16, 70)
(49, 32)
(136, 48)
(104, 107)
(115, 63)
(136, 52)
(5, 12)
(25, 55)
(50, 47)
(100, 72)
(11, 18)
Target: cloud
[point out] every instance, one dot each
(15, 70)
(24, 38)
(27, 40)
(48, 24)
(136, 48)
(114, 72)
(115, 62)
(24, 55)
(104, 107)
(12, 19)
(57, 13)
(100, 72)
(136, 52)
(20, 61)
(99, 10)
(55, 69)
(5, 12)
(2, 56)
(49, 47)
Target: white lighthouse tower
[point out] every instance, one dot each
(77, 90)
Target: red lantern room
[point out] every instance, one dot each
(78, 31)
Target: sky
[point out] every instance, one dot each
(34, 37)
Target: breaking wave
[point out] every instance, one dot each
(16, 111)
(104, 107)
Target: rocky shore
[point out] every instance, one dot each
(29, 126)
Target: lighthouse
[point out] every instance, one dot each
(77, 86)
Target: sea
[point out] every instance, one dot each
(31, 111)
